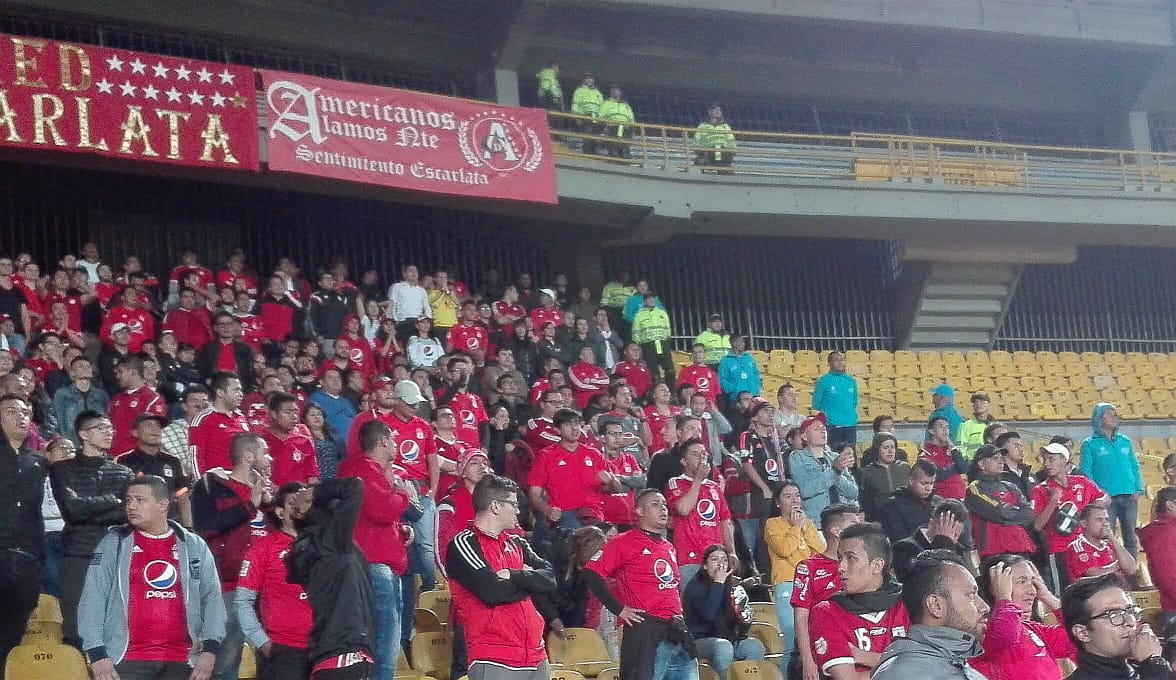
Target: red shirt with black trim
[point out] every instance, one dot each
(209, 438)
(293, 455)
(282, 606)
(835, 633)
(619, 508)
(569, 477)
(1082, 555)
(1079, 493)
(702, 526)
(816, 580)
(157, 623)
(645, 570)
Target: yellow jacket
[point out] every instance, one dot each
(789, 545)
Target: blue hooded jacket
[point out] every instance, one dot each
(1110, 463)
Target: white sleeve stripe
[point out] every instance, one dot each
(462, 543)
(836, 662)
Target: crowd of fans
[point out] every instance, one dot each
(200, 461)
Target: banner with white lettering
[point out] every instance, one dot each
(83, 98)
(406, 139)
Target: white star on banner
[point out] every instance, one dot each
(114, 63)
(160, 70)
(138, 67)
(128, 90)
(173, 95)
(182, 72)
(195, 98)
(105, 86)
(204, 75)
(150, 92)
(226, 78)
(218, 99)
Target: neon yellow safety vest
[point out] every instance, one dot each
(617, 112)
(549, 83)
(586, 101)
(714, 135)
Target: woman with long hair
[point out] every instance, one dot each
(718, 613)
(326, 449)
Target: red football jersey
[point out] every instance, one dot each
(1080, 493)
(657, 421)
(636, 375)
(954, 486)
(73, 308)
(469, 338)
(282, 606)
(816, 580)
(702, 527)
(835, 632)
(704, 380)
(470, 413)
(294, 456)
(619, 507)
(541, 433)
(569, 477)
(124, 408)
(514, 312)
(157, 621)
(587, 381)
(1083, 555)
(448, 452)
(209, 438)
(645, 570)
(414, 446)
(206, 277)
(541, 317)
(252, 330)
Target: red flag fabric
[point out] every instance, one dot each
(88, 99)
(406, 139)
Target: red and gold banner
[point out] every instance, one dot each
(87, 99)
(407, 139)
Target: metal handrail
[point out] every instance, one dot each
(872, 157)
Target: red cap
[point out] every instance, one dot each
(382, 380)
(817, 417)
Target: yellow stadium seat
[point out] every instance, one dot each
(613, 673)
(436, 601)
(806, 355)
(432, 653)
(1091, 358)
(48, 609)
(755, 670)
(426, 621)
(565, 674)
(1045, 411)
(857, 356)
(765, 612)
(760, 356)
(403, 670)
(44, 662)
(1146, 598)
(248, 667)
(706, 672)
(1153, 446)
(1103, 382)
(581, 650)
(771, 638)
(881, 355)
(781, 355)
(42, 633)
(1172, 443)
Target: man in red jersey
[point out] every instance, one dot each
(703, 377)
(1058, 500)
(383, 398)
(547, 312)
(587, 379)
(568, 481)
(541, 431)
(449, 450)
(700, 510)
(850, 630)
(73, 298)
(949, 482)
(455, 510)
(281, 311)
(252, 327)
(129, 313)
(494, 573)
(619, 509)
(1096, 551)
(211, 431)
(291, 445)
(817, 580)
(190, 321)
(644, 567)
(469, 336)
(255, 405)
(274, 613)
(135, 400)
(472, 421)
(150, 586)
(634, 371)
(190, 264)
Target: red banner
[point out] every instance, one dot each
(407, 139)
(82, 98)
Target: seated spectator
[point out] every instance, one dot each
(883, 477)
(131, 316)
(790, 538)
(910, 508)
(80, 395)
(948, 460)
(718, 613)
(1000, 513)
(587, 379)
(1105, 625)
(714, 139)
(1096, 550)
(1158, 539)
(942, 532)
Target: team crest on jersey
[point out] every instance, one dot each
(420, 434)
(588, 462)
(258, 521)
(771, 467)
(472, 343)
(297, 456)
(821, 645)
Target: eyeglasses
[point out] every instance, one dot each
(105, 427)
(507, 501)
(1118, 617)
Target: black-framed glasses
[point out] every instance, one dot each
(1118, 617)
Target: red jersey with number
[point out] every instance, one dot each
(541, 433)
(469, 338)
(816, 580)
(1082, 555)
(587, 380)
(835, 633)
(282, 606)
(703, 378)
(702, 526)
(636, 376)
(470, 413)
(1080, 493)
(569, 477)
(293, 455)
(157, 622)
(646, 572)
(448, 452)
(619, 507)
(657, 422)
(209, 438)
(414, 446)
(124, 408)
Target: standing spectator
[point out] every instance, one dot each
(444, 301)
(290, 443)
(701, 516)
(614, 296)
(1000, 512)
(111, 355)
(787, 416)
(190, 321)
(337, 409)
(148, 459)
(549, 94)
(1109, 460)
(469, 336)
(948, 460)
(22, 528)
(1159, 544)
(623, 465)
(717, 610)
(89, 490)
(81, 394)
(174, 439)
(568, 481)
(274, 614)
(462, 397)
(1057, 501)
(658, 412)
(651, 331)
(971, 432)
(644, 568)
(700, 375)
(409, 301)
(227, 511)
(823, 479)
(327, 451)
(818, 578)
(836, 395)
(738, 371)
(381, 535)
(424, 349)
(948, 617)
(282, 313)
(910, 508)
(170, 623)
(59, 448)
(227, 353)
(790, 538)
(507, 311)
(714, 139)
(383, 400)
(1015, 470)
(586, 101)
(636, 374)
(587, 379)
(1105, 625)
(328, 564)
(853, 627)
(494, 574)
(715, 340)
(715, 426)
(1096, 551)
(882, 478)
(130, 314)
(758, 450)
(943, 406)
(942, 532)
(325, 311)
(547, 312)
(212, 431)
(455, 509)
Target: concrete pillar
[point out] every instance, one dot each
(506, 86)
(1139, 130)
(590, 265)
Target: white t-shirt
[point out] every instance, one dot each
(409, 301)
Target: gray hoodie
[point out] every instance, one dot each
(929, 653)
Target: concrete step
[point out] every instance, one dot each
(966, 290)
(987, 306)
(977, 322)
(923, 339)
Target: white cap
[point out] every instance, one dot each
(548, 292)
(1057, 449)
(408, 392)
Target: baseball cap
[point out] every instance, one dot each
(817, 417)
(409, 392)
(145, 417)
(758, 404)
(1058, 450)
(987, 451)
(467, 456)
(980, 396)
(382, 380)
(715, 317)
(119, 327)
(944, 390)
(548, 292)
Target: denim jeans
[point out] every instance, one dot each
(422, 561)
(722, 653)
(228, 660)
(846, 434)
(1124, 508)
(386, 605)
(51, 564)
(750, 530)
(673, 663)
(787, 621)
